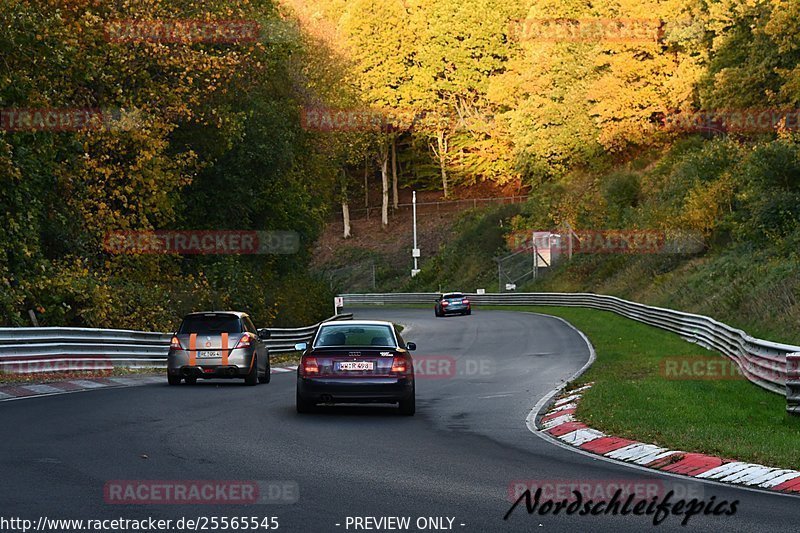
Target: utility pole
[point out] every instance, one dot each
(415, 250)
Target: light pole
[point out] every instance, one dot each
(415, 250)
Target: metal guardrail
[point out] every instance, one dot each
(37, 350)
(793, 383)
(283, 340)
(760, 361)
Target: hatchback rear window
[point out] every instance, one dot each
(211, 323)
(453, 296)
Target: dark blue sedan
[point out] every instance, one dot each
(358, 361)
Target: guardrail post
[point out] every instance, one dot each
(793, 383)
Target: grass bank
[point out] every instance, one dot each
(50, 377)
(632, 397)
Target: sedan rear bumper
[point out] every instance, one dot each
(355, 390)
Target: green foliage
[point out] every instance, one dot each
(208, 137)
(749, 276)
(211, 138)
(621, 192)
(770, 196)
(464, 263)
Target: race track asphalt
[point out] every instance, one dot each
(479, 377)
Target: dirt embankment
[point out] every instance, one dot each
(435, 219)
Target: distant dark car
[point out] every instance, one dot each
(218, 345)
(358, 361)
(452, 303)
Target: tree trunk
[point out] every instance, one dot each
(385, 183)
(441, 140)
(366, 184)
(395, 200)
(346, 218)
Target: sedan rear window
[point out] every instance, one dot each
(211, 323)
(342, 335)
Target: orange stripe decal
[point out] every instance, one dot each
(224, 349)
(193, 349)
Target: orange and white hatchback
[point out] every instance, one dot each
(216, 344)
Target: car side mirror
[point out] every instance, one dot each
(301, 346)
(264, 334)
(411, 346)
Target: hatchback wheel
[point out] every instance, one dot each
(252, 377)
(267, 374)
(173, 379)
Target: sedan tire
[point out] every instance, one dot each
(304, 406)
(409, 406)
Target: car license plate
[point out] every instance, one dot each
(207, 355)
(356, 365)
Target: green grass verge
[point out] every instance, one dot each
(291, 358)
(631, 398)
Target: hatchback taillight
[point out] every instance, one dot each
(175, 344)
(465, 301)
(445, 303)
(308, 365)
(245, 342)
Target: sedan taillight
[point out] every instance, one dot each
(399, 365)
(308, 365)
(175, 344)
